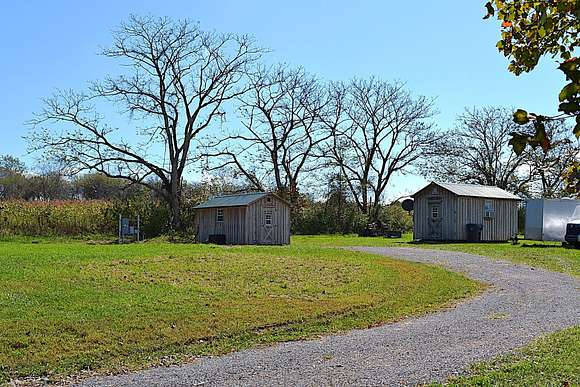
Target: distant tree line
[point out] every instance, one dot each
(333, 212)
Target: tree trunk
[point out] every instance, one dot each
(174, 196)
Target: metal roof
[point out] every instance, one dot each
(476, 190)
(236, 200)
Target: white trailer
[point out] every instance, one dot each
(546, 219)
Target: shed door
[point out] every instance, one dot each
(267, 226)
(435, 222)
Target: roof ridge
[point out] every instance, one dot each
(469, 184)
(474, 190)
(240, 194)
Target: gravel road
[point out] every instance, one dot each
(522, 304)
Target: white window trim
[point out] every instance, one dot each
(219, 214)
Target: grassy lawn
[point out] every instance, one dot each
(551, 361)
(72, 306)
(548, 255)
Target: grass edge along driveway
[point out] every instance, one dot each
(72, 307)
(552, 360)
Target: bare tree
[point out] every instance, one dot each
(378, 129)
(549, 166)
(179, 79)
(281, 128)
(476, 151)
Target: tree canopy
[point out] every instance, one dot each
(175, 82)
(529, 31)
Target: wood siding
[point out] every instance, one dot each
(501, 227)
(232, 226)
(247, 224)
(448, 212)
(258, 232)
(458, 211)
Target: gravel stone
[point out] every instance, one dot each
(521, 304)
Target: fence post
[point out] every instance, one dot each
(119, 228)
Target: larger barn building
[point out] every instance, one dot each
(464, 212)
(251, 218)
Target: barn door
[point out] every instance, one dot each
(267, 226)
(435, 222)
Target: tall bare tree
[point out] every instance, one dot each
(549, 166)
(476, 151)
(281, 129)
(177, 82)
(378, 129)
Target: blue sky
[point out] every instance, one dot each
(441, 49)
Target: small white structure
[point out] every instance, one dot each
(546, 219)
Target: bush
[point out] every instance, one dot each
(395, 218)
(334, 217)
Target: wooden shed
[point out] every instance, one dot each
(250, 218)
(442, 211)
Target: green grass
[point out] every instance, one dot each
(72, 306)
(550, 361)
(548, 255)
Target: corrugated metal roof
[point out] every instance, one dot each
(232, 200)
(476, 190)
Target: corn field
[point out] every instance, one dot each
(57, 218)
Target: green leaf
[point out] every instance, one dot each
(521, 117)
(569, 91)
(569, 65)
(518, 142)
(542, 32)
(569, 107)
(577, 127)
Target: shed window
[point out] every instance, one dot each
(268, 217)
(434, 212)
(219, 215)
(488, 210)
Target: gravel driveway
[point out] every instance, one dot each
(522, 304)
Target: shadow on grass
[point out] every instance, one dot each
(541, 245)
(455, 243)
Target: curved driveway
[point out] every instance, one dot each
(522, 304)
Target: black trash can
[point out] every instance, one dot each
(474, 232)
(218, 239)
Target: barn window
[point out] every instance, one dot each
(219, 215)
(488, 210)
(268, 217)
(434, 212)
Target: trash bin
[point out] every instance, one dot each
(218, 239)
(474, 232)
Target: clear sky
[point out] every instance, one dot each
(441, 49)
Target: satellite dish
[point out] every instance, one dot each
(407, 204)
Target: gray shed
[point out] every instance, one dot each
(250, 218)
(442, 211)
